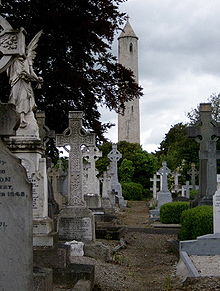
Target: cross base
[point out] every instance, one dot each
(76, 223)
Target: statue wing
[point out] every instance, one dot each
(33, 45)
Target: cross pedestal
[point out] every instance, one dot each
(76, 221)
(206, 132)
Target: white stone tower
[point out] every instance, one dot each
(129, 123)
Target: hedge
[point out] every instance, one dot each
(171, 212)
(132, 191)
(195, 222)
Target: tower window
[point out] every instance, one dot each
(131, 48)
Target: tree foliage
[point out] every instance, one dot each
(74, 58)
(126, 171)
(144, 164)
(178, 149)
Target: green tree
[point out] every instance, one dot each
(144, 164)
(74, 58)
(178, 149)
(126, 171)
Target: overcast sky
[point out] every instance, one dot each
(179, 61)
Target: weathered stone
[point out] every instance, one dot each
(114, 156)
(43, 279)
(15, 224)
(206, 133)
(164, 196)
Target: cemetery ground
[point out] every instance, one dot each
(146, 263)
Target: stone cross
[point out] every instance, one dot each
(193, 173)
(186, 189)
(164, 172)
(154, 188)
(114, 156)
(45, 133)
(176, 176)
(12, 43)
(91, 155)
(206, 132)
(75, 136)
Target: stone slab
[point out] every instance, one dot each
(55, 257)
(75, 272)
(93, 201)
(43, 279)
(82, 285)
(76, 224)
(206, 245)
(15, 224)
(97, 250)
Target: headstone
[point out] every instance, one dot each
(76, 222)
(16, 265)
(186, 190)
(193, 173)
(108, 200)
(154, 188)
(216, 208)
(54, 175)
(176, 176)
(42, 225)
(114, 156)
(206, 132)
(92, 195)
(164, 195)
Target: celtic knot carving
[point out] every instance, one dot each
(9, 41)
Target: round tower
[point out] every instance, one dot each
(129, 122)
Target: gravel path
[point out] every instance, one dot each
(207, 265)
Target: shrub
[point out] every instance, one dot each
(132, 191)
(195, 222)
(171, 212)
(193, 194)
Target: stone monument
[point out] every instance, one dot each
(164, 195)
(114, 156)
(92, 195)
(206, 132)
(16, 265)
(27, 145)
(76, 221)
(193, 173)
(155, 180)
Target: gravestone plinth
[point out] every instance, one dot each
(16, 264)
(76, 221)
(76, 224)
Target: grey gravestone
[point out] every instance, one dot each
(46, 135)
(164, 195)
(216, 208)
(186, 190)
(176, 176)
(193, 173)
(16, 265)
(206, 133)
(114, 156)
(154, 188)
(92, 195)
(76, 222)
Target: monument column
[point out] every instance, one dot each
(129, 122)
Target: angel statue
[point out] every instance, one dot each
(21, 75)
